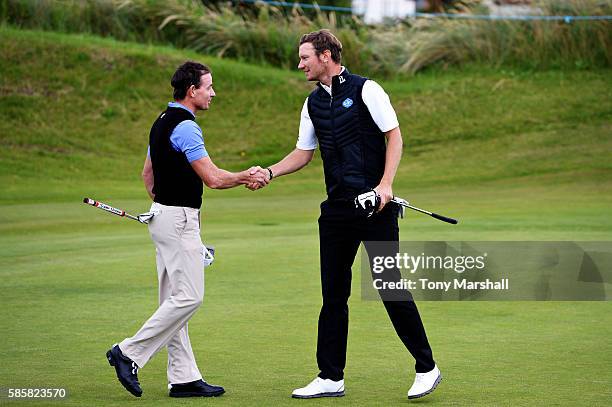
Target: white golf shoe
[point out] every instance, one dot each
(425, 383)
(320, 388)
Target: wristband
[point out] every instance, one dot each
(270, 171)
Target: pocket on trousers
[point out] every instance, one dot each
(180, 221)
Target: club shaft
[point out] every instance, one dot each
(407, 205)
(108, 208)
(418, 209)
(127, 215)
(434, 215)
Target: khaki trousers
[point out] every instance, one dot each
(176, 234)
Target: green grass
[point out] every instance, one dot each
(89, 104)
(515, 155)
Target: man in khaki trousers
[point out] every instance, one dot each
(175, 167)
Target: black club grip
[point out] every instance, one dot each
(444, 218)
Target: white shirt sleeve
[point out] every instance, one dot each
(306, 137)
(379, 105)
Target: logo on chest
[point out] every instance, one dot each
(348, 102)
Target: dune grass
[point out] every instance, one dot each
(269, 35)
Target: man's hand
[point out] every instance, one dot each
(217, 178)
(259, 178)
(386, 194)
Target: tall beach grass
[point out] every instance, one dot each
(123, 20)
(531, 44)
(269, 35)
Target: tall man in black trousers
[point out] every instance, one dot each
(352, 121)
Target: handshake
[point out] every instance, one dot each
(256, 177)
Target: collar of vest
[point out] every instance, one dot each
(338, 82)
(185, 112)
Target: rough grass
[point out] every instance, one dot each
(269, 35)
(529, 44)
(87, 104)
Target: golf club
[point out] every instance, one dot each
(208, 252)
(369, 201)
(118, 212)
(404, 204)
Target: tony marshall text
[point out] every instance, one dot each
(426, 284)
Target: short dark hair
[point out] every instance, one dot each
(186, 75)
(322, 40)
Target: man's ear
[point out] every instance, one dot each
(326, 56)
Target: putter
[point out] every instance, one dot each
(118, 212)
(208, 252)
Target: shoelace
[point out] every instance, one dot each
(134, 368)
(420, 377)
(315, 381)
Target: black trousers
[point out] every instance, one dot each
(340, 233)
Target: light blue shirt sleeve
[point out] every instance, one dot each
(187, 138)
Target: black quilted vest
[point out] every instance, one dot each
(175, 181)
(352, 146)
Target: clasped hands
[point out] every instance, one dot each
(257, 178)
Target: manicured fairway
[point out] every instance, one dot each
(75, 280)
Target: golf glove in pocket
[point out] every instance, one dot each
(208, 252)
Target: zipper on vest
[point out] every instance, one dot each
(333, 129)
(331, 115)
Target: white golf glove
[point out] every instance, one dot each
(208, 252)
